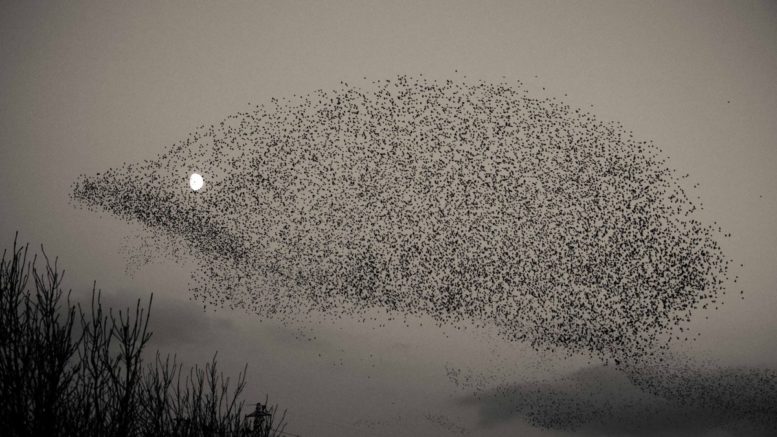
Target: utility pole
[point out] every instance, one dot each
(259, 415)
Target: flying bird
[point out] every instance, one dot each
(462, 200)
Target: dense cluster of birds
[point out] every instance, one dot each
(463, 200)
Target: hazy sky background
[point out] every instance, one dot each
(88, 85)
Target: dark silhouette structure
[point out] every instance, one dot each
(70, 371)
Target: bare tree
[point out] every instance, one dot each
(67, 371)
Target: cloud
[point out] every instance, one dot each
(173, 321)
(657, 400)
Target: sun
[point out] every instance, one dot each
(196, 182)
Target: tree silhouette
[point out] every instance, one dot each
(70, 371)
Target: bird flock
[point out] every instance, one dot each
(467, 201)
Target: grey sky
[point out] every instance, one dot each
(88, 85)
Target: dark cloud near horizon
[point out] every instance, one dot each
(657, 400)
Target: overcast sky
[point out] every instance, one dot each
(85, 86)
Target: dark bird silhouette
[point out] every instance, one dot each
(465, 201)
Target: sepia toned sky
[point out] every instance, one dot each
(85, 86)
